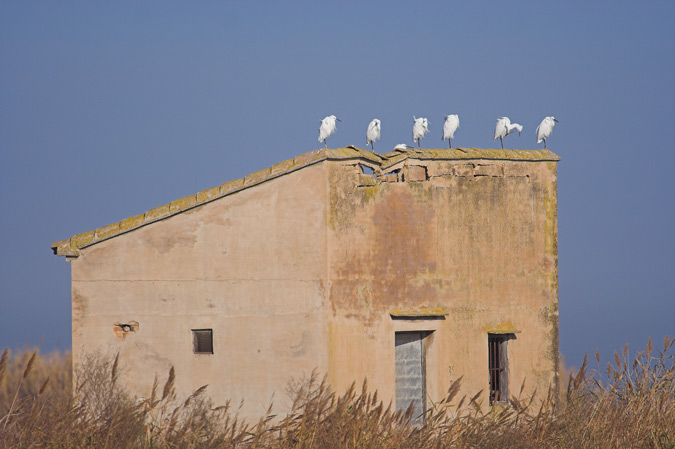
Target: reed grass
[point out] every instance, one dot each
(627, 403)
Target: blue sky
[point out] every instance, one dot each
(110, 109)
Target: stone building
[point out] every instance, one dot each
(410, 269)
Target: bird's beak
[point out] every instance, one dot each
(338, 119)
(555, 120)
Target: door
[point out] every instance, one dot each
(410, 372)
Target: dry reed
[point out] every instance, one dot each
(628, 403)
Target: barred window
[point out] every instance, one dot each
(498, 367)
(202, 341)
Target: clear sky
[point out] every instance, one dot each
(110, 109)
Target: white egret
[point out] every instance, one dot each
(327, 128)
(504, 127)
(420, 128)
(544, 129)
(449, 127)
(403, 147)
(373, 133)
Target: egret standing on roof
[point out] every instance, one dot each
(504, 127)
(420, 128)
(544, 129)
(449, 127)
(373, 133)
(327, 128)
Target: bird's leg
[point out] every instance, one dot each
(418, 143)
(449, 144)
(502, 142)
(372, 146)
(544, 143)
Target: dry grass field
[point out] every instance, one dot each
(626, 403)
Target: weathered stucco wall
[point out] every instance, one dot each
(317, 266)
(477, 238)
(251, 266)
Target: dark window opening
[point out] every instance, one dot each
(202, 341)
(498, 367)
(366, 170)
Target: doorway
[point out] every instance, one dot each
(409, 356)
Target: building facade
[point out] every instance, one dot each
(410, 269)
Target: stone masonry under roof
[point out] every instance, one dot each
(380, 163)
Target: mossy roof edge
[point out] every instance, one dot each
(70, 247)
(484, 153)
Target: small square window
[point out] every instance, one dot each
(202, 341)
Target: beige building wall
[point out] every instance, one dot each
(313, 264)
(251, 266)
(477, 239)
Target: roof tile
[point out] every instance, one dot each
(61, 247)
(83, 239)
(256, 177)
(157, 213)
(282, 167)
(342, 153)
(208, 194)
(107, 231)
(231, 186)
(131, 222)
(183, 203)
(309, 157)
